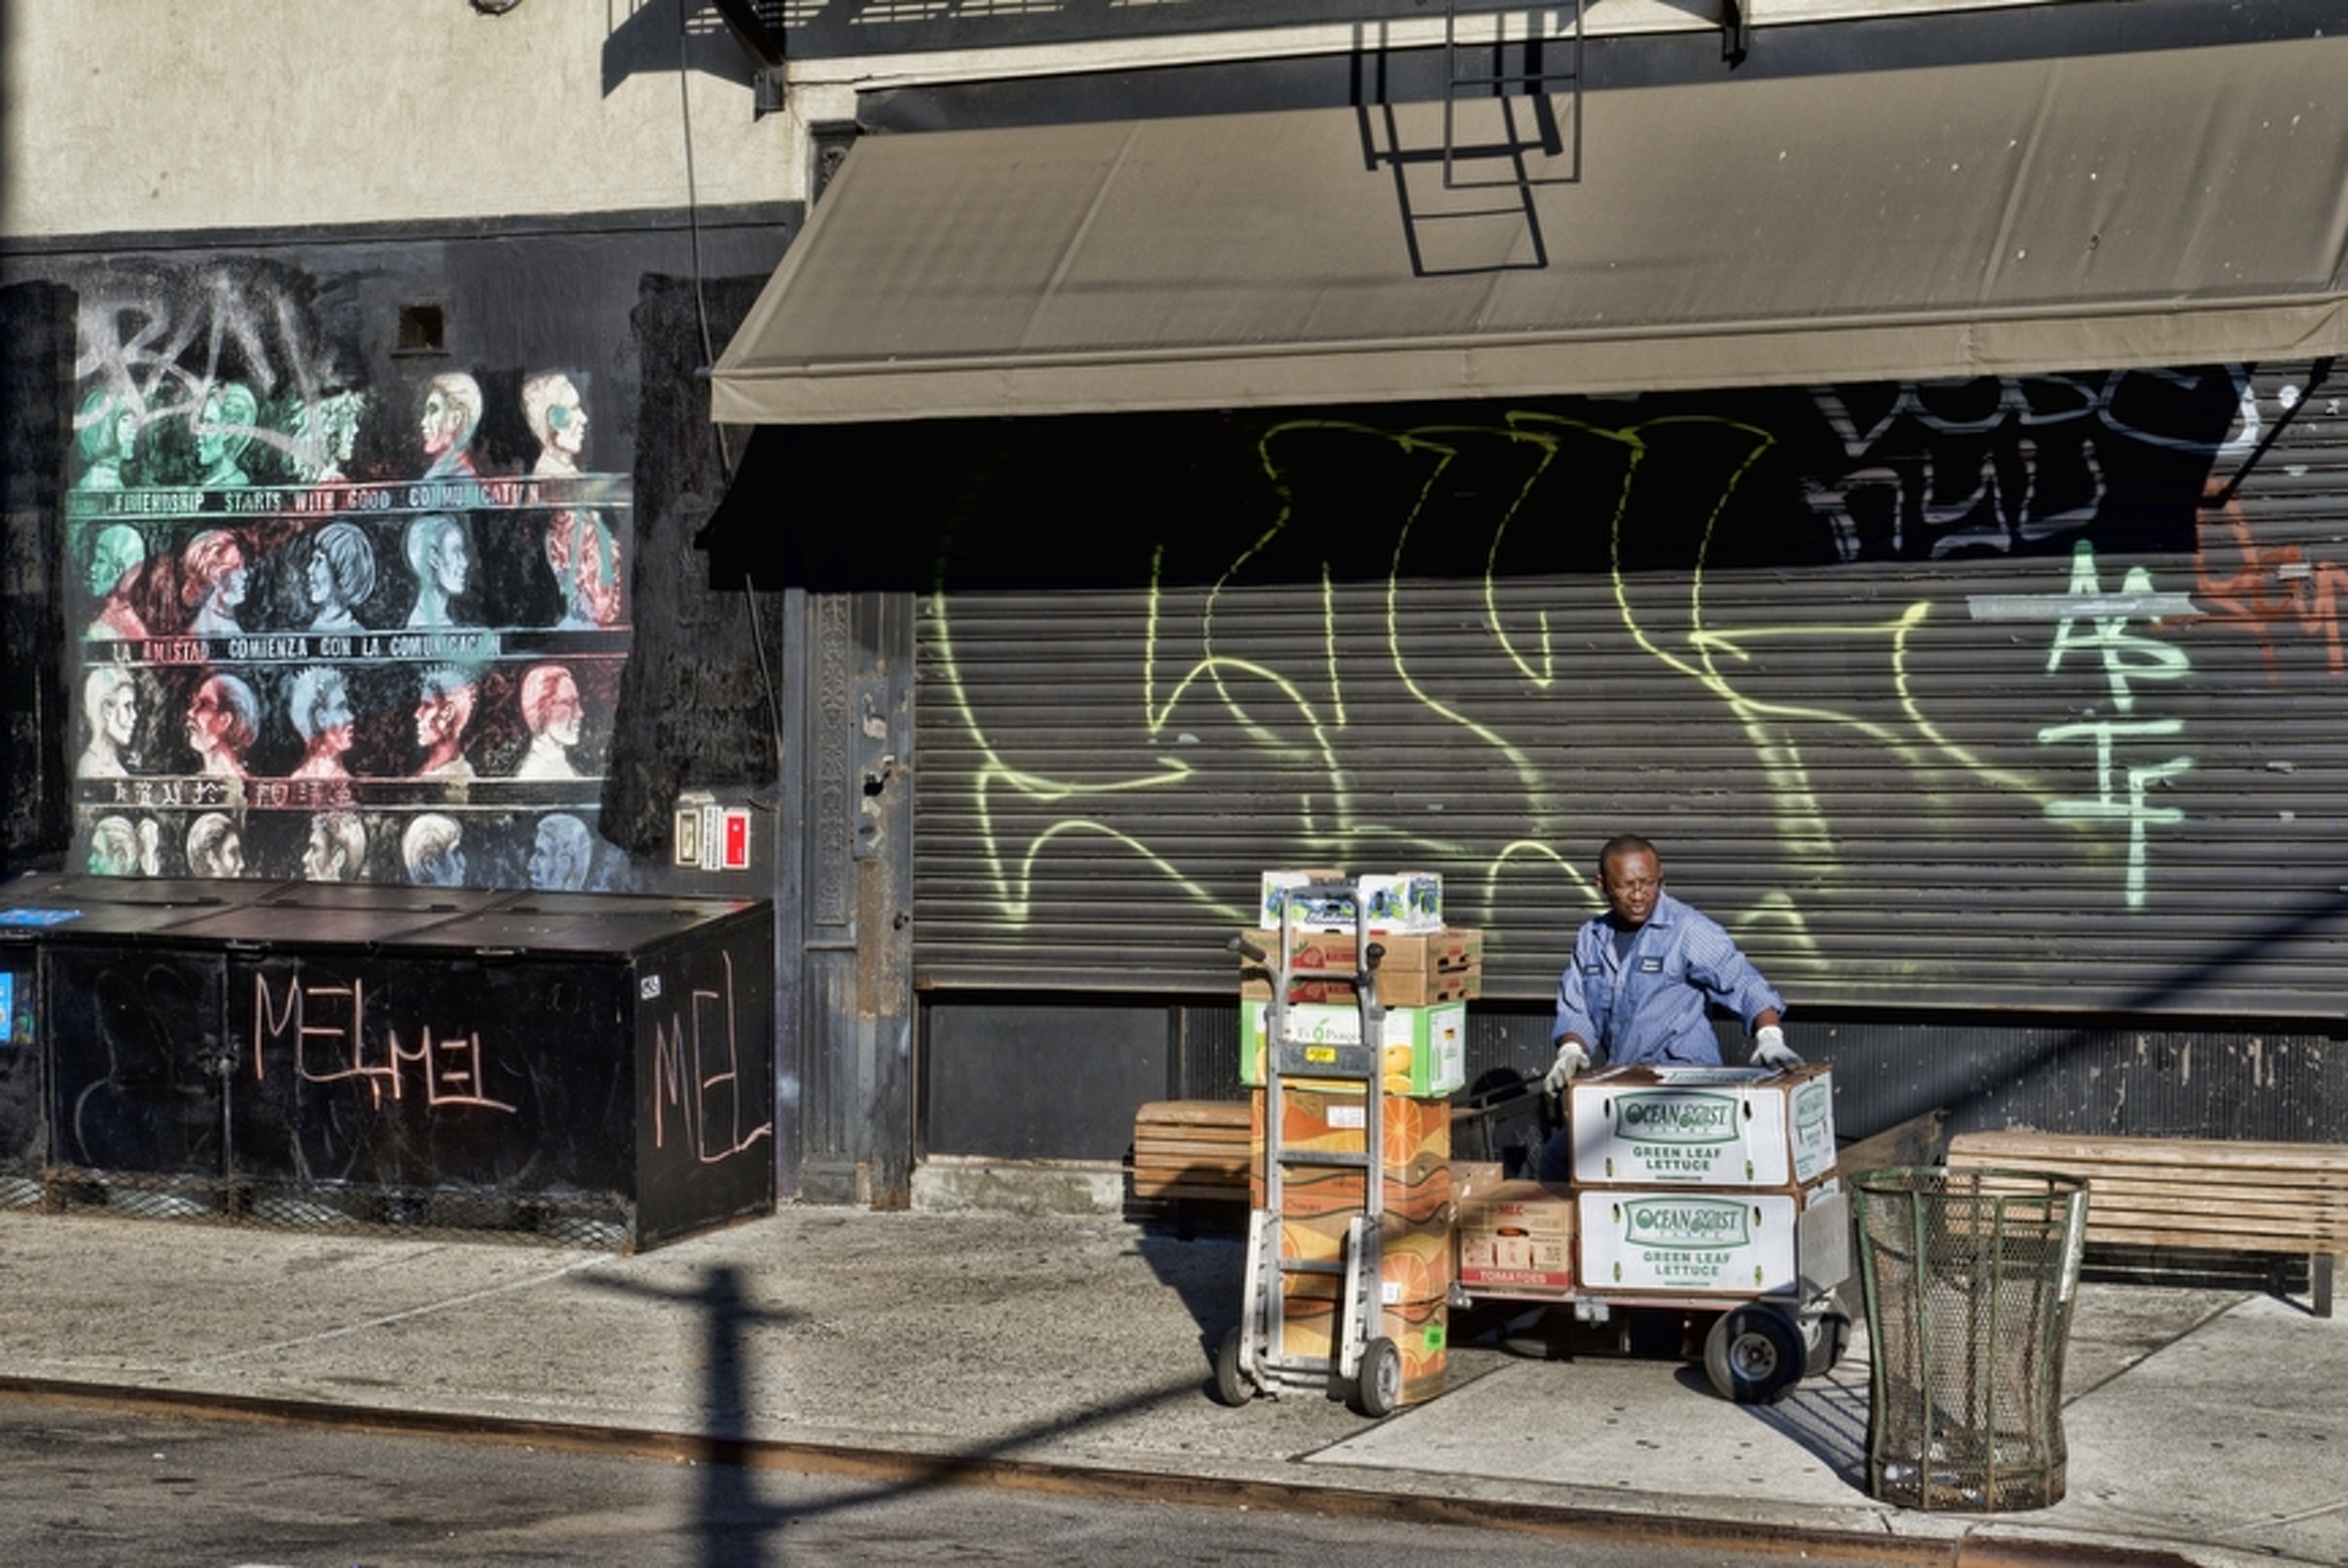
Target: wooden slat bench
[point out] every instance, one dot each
(2213, 1194)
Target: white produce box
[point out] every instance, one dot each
(1703, 1127)
(1704, 1243)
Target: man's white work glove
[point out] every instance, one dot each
(1571, 1061)
(1769, 1049)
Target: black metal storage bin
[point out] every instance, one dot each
(587, 1067)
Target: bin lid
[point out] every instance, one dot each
(614, 925)
(42, 906)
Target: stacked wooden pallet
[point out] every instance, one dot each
(1192, 1149)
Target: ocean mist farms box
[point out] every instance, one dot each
(1703, 1127)
(1423, 1051)
(1710, 1242)
(1415, 971)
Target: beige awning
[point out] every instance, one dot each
(2178, 207)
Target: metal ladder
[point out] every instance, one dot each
(1534, 79)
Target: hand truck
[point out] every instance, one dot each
(1364, 1367)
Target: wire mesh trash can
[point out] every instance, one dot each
(1969, 1277)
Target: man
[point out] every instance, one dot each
(117, 561)
(325, 433)
(429, 850)
(114, 847)
(436, 553)
(224, 428)
(585, 559)
(224, 721)
(110, 703)
(452, 412)
(552, 408)
(107, 430)
(214, 848)
(1642, 976)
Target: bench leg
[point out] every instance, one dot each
(2320, 1271)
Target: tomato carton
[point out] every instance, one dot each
(1512, 1237)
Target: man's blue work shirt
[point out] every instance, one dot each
(1649, 1004)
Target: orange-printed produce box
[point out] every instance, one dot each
(1414, 1164)
(1414, 1294)
(1420, 1329)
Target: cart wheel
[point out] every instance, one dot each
(1379, 1389)
(1231, 1380)
(1753, 1355)
(1827, 1335)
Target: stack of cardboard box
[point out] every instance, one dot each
(1425, 975)
(1696, 1179)
(1687, 1181)
(1317, 1204)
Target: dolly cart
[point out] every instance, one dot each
(1361, 1365)
(1761, 1340)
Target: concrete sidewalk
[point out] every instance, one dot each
(2213, 1426)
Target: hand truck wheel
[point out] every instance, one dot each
(1379, 1387)
(1231, 1380)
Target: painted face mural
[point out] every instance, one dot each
(337, 848)
(306, 620)
(110, 707)
(224, 721)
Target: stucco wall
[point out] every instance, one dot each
(128, 116)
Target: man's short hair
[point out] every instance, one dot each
(428, 837)
(1624, 843)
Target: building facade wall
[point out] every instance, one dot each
(591, 192)
(1994, 718)
(130, 119)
